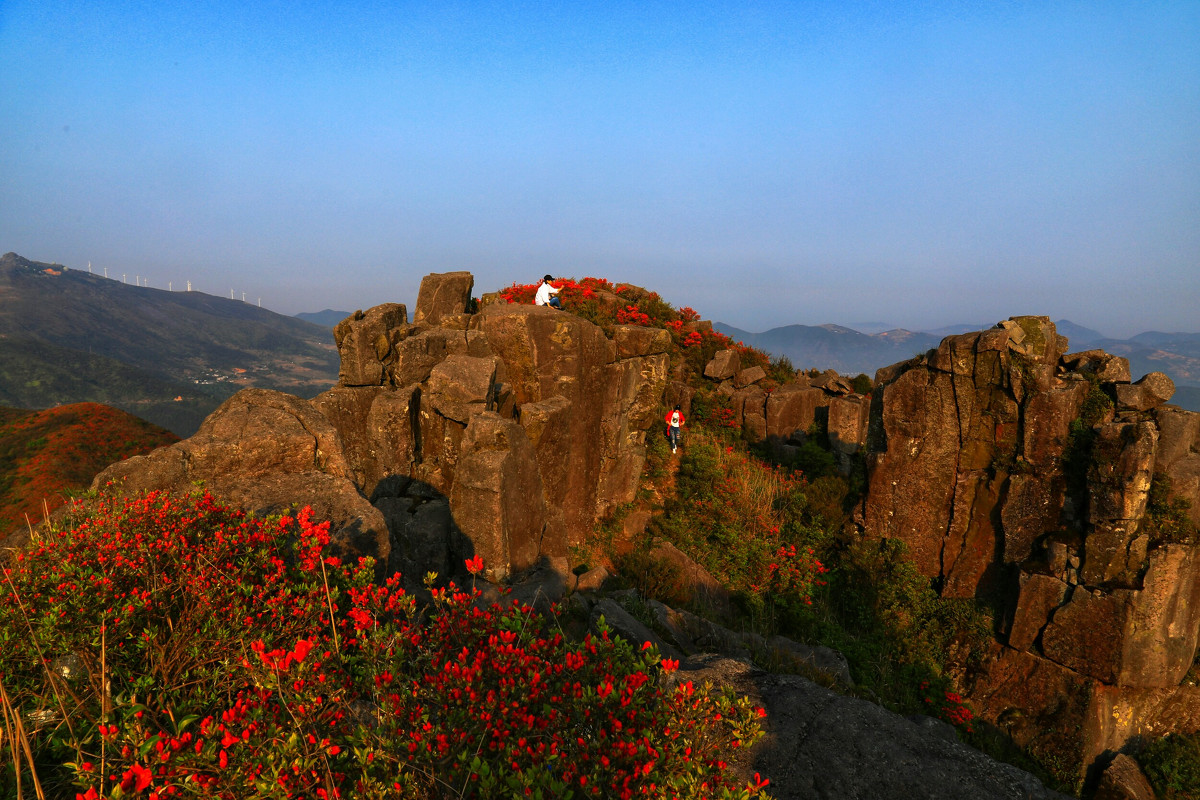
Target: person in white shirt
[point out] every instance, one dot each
(545, 294)
(674, 423)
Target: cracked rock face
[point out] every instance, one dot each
(506, 433)
(979, 463)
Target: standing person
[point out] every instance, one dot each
(545, 294)
(674, 423)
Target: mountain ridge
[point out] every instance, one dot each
(187, 345)
(850, 351)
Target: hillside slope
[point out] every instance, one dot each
(173, 341)
(45, 454)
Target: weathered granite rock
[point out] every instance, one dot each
(496, 492)
(1105, 367)
(592, 580)
(1158, 385)
(1040, 596)
(1046, 422)
(505, 433)
(919, 458)
(832, 382)
(1073, 719)
(266, 452)
(441, 295)
(1085, 634)
(702, 587)
(1160, 639)
(817, 743)
(1118, 487)
(375, 425)
(1178, 455)
(976, 460)
(1032, 506)
(723, 366)
(792, 408)
(637, 340)
(847, 422)
(633, 392)
(1123, 779)
(679, 394)
(749, 376)
(625, 625)
(754, 420)
(460, 385)
(425, 536)
(365, 343)
(1151, 391)
(419, 351)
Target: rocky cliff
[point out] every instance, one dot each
(1047, 483)
(504, 433)
(1055, 488)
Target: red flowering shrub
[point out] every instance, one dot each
(162, 647)
(793, 574)
(947, 705)
(630, 315)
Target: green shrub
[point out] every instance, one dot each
(655, 578)
(1167, 517)
(862, 384)
(1172, 764)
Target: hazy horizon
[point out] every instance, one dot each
(774, 164)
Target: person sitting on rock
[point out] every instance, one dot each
(545, 294)
(674, 423)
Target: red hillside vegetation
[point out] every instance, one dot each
(45, 454)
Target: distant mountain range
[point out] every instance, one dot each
(326, 319)
(68, 336)
(851, 351)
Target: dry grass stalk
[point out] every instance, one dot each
(13, 732)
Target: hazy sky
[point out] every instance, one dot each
(767, 163)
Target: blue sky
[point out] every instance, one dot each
(767, 163)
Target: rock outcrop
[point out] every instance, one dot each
(785, 414)
(1034, 470)
(823, 745)
(505, 433)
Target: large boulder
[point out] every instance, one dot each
(496, 493)
(1123, 779)
(1178, 457)
(817, 742)
(366, 341)
(375, 425)
(266, 452)
(847, 422)
(461, 385)
(442, 295)
(723, 366)
(792, 409)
